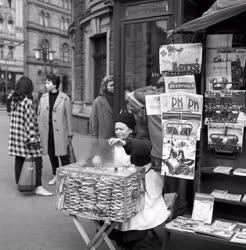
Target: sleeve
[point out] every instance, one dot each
(93, 124)
(30, 123)
(68, 108)
(138, 146)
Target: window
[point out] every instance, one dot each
(9, 3)
(1, 2)
(141, 52)
(41, 18)
(66, 24)
(11, 26)
(66, 4)
(62, 3)
(45, 46)
(46, 19)
(1, 51)
(62, 23)
(65, 52)
(11, 52)
(1, 25)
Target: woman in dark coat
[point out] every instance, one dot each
(101, 118)
(24, 138)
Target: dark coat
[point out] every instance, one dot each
(101, 119)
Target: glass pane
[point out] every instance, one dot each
(141, 43)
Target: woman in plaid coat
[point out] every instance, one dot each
(24, 139)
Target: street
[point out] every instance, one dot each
(30, 222)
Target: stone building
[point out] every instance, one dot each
(11, 45)
(47, 47)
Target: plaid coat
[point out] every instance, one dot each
(24, 138)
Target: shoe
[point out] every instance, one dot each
(53, 181)
(42, 191)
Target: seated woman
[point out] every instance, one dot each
(135, 233)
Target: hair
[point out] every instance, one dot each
(104, 83)
(55, 79)
(24, 88)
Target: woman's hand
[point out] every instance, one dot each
(118, 141)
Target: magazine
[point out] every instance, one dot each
(225, 137)
(203, 207)
(225, 106)
(219, 194)
(183, 224)
(240, 171)
(218, 76)
(224, 225)
(240, 234)
(219, 41)
(153, 106)
(186, 83)
(244, 198)
(233, 197)
(222, 170)
(181, 57)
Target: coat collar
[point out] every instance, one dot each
(59, 99)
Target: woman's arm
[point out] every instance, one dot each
(93, 125)
(68, 108)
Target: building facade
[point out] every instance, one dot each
(11, 45)
(47, 47)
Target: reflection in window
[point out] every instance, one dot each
(65, 52)
(141, 43)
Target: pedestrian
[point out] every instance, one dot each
(55, 124)
(101, 118)
(8, 101)
(24, 138)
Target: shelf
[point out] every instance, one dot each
(238, 203)
(209, 170)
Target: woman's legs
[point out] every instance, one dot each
(18, 167)
(39, 165)
(51, 151)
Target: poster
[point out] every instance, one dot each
(225, 137)
(153, 106)
(225, 106)
(218, 76)
(219, 41)
(181, 57)
(184, 83)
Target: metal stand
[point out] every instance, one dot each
(99, 237)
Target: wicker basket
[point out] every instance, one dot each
(100, 193)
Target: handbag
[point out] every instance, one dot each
(27, 180)
(71, 154)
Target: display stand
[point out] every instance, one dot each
(101, 235)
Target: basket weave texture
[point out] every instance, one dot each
(102, 194)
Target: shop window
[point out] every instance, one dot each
(1, 25)
(1, 51)
(65, 53)
(141, 52)
(99, 57)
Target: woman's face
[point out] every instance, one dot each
(110, 87)
(49, 85)
(121, 130)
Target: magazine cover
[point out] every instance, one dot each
(225, 106)
(176, 84)
(220, 194)
(153, 106)
(181, 57)
(203, 207)
(218, 76)
(240, 234)
(219, 41)
(225, 137)
(178, 154)
(240, 171)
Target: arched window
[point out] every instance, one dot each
(66, 4)
(9, 3)
(11, 52)
(62, 3)
(45, 46)
(41, 18)
(65, 52)
(1, 25)
(66, 24)
(11, 26)
(46, 19)
(62, 23)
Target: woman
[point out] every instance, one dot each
(101, 118)
(135, 234)
(55, 124)
(24, 139)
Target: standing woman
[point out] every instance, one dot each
(101, 118)
(24, 138)
(55, 124)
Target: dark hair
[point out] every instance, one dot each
(126, 118)
(24, 88)
(104, 84)
(55, 79)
